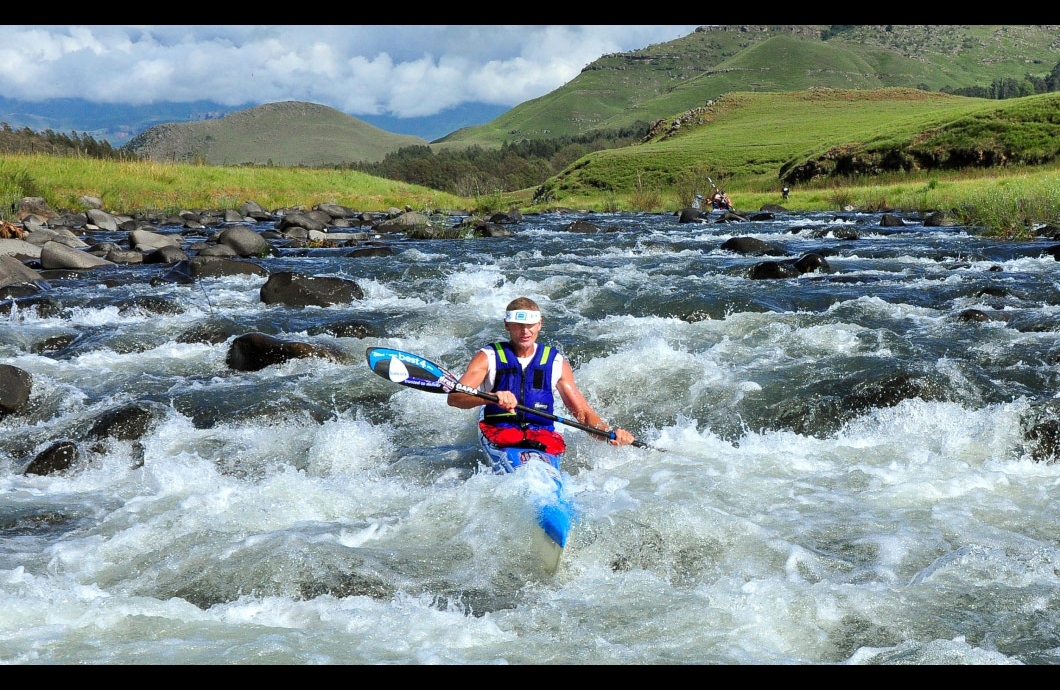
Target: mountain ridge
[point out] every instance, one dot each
(285, 133)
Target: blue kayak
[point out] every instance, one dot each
(555, 514)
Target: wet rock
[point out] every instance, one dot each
(255, 351)
(212, 331)
(750, 246)
(492, 230)
(55, 459)
(216, 266)
(14, 272)
(15, 387)
(294, 290)
(220, 250)
(53, 343)
(692, 215)
(371, 251)
(347, 329)
(773, 270)
(33, 205)
(145, 240)
(123, 256)
(165, 255)
(812, 263)
(1040, 428)
(582, 226)
(244, 241)
(938, 219)
(974, 316)
(58, 255)
(129, 422)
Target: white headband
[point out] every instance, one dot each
(530, 316)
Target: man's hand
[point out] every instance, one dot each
(622, 438)
(507, 400)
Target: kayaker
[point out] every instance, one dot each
(540, 371)
(721, 200)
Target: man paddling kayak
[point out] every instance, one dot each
(519, 372)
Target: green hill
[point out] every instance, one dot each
(758, 141)
(290, 133)
(658, 81)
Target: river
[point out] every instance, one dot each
(840, 469)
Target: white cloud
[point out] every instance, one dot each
(405, 71)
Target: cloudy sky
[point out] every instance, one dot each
(401, 71)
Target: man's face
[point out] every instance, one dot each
(522, 333)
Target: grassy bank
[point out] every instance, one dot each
(128, 187)
(1002, 201)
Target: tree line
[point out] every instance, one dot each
(476, 171)
(1007, 87)
(49, 142)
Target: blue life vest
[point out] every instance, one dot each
(532, 386)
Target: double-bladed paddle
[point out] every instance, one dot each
(413, 371)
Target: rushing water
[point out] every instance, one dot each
(841, 471)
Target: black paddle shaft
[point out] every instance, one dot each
(461, 388)
(413, 371)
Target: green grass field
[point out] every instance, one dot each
(128, 187)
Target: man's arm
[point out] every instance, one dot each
(472, 378)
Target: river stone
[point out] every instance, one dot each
(126, 423)
(217, 266)
(300, 220)
(492, 230)
(124, 256)
(58, 255)
(165, 255)
(33, 205)
(19, 248)
(43, 236)
(374, 251)
(54, 459)
(14, 272)
(582, 226)
(244, 241)
(773, 270)
(15, 387)
(145, 240)
(750, 246)
(296, 290)
(254, 351)
(103, 220)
